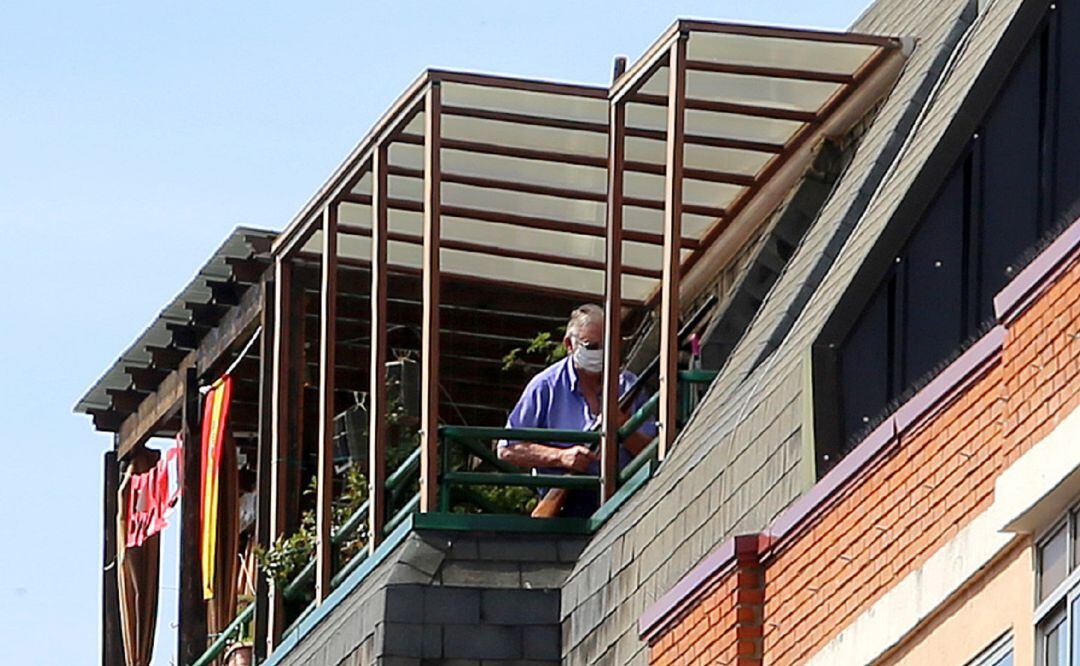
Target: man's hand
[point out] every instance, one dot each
(577, 458)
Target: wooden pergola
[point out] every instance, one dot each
(482, 209)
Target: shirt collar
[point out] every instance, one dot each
(571, 372)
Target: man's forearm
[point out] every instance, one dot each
(530, 454)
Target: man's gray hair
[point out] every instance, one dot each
(582, 316)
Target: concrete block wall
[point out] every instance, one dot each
(454, 599)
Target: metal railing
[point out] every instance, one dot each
(474, 441)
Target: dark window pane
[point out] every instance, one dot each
(1053, 562)
(1010, 178)
(933, 270)
(864, 365)
(1068, 143)
(1055, 648)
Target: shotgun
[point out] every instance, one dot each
(552, 502)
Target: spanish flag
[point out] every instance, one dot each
(215, 417)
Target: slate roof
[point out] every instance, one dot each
(748, 453)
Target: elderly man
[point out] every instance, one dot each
(567, 396)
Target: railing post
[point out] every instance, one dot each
(324, 509)
(280, 432)
(429, 375)
(377, 391)
(264, 471)
(669, 287)
(609, 451)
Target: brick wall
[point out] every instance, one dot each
(926, 485)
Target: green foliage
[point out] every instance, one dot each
(545, 347)
(288, 555)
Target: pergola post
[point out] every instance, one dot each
(191, 615)
(324, 509)
(112, 641)
(429, 371)
(669, 286)
(280, 432)
(609, 452)
(377, 390)
(264, 471)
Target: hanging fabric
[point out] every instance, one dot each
(221, 609)
(214, 424)
(152, 496)
(137, 571)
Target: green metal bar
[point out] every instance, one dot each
(444, 470)
(697, 376)
(407, 467)
(640, 416)
(401, 515)
(608, 508)
(521, 434)
(349, 567)
(647, 455)
(219, 644)
(484, 453)
(528, 480)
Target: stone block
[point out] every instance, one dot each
(451, 605)
(494, 548)
(481, 574)
(519, 607)
(485, 641)
(548, 575)
(404, 603)
(541, 642)
(403, 639)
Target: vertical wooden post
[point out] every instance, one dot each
(280, 433)
(324, 508)
(191, 634)
(609, 453)
(112, 640)
(264, 472)
(377, 389)
(429, 372)
(669, 287)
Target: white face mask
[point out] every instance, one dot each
(588, 360)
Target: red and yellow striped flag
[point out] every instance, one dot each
(215, 416)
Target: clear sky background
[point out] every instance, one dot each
(134, 136)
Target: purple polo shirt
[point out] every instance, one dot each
(552, 400)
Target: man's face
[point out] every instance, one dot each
(591, 336)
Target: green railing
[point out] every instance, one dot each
(475, 441)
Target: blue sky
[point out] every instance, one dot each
(133, 138)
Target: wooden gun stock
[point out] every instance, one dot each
(550, 504)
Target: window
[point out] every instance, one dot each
(1019, 171)
(1057, 614)
(998, 654)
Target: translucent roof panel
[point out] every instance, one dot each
(524, 163)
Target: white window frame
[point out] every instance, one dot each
(995, 652)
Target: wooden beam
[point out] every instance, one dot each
(379, 320)
(324, 505)
(429, 354)
(673, 212)
(191, 611)
(264, 465)
(112, 640)
(609, 450)
(213, 349)
(280, 433)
